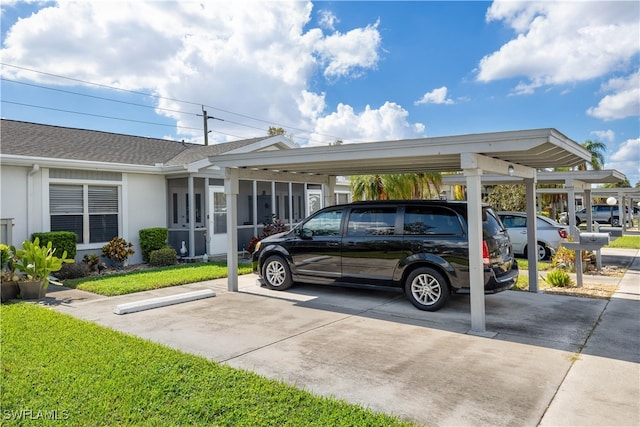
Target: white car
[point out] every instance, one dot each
(550, 233)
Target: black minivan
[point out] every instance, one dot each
(419, 246)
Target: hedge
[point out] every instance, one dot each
(60, 240)
(152, 239)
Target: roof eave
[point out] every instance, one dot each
(17, 160)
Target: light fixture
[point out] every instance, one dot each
(611, 201)
(511, 170)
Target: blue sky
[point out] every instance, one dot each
(356, 71)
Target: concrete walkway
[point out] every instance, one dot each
(556, 360)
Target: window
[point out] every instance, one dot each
(372, 222)
(90, 211)
(431, 220)
(324, 224)
(514, 221)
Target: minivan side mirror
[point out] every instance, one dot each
(304, 233)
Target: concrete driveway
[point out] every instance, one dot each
(556, 360)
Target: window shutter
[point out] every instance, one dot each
(65, 199)
(103, 199)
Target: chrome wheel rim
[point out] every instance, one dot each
(542, 252)
(275, 273)
(426, 289)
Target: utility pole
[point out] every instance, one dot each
(206, 126)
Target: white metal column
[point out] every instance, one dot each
(192, 217)
(532, 233)
(476, 270)
(231, 189)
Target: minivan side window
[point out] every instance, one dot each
(491, 225)
(324, 224)
(372, 222)
(431, 220)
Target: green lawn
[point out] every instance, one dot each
(126, 283)
(628, 242)
(56, 366)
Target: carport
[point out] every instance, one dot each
(512, 153)
(573, 182)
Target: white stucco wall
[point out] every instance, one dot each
(13, 191)
(145, 207)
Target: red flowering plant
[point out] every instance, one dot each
(274, 227)
(118, 250)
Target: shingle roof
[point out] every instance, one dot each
(39, 140)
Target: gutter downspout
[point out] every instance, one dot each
(35, 168)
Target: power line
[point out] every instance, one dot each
(305, 131)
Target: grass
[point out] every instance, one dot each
(627, 242)
(126, 283)
(80, 373)
(523, 264)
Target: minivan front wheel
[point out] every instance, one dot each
(276, 273)
(426, 289)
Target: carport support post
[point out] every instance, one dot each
(231, 189)
(532, 234)
(476, 271)
(571, 209)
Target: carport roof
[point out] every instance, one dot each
(537, 148)
(608, 176)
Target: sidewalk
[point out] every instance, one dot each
(555, 361)
(602, 388)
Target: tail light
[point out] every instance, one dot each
(563, 233)
(485, 254)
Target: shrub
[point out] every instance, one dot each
(163, 257)
(72, 271)
(60, 241)
(92, 261)
(152, 239)
(559, 278)
(118, 250)
(564, 258)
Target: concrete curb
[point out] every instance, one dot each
(149, 304)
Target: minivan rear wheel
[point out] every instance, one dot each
(276, 273)
(426, 289)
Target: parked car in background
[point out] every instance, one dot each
(600, 213)
(550, 233)
(419, 246)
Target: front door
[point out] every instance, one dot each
(217, 227)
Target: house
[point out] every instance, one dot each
(102, 185)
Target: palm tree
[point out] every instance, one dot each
(396, 186)
(597, 150)
(368, 187)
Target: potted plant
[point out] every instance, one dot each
(118, 250)
(9, 288)
(37, 263)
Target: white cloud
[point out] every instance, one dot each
(562, 42)
(347, 55)
(623, 102)
(389, 122)
(627, 160)
(327, 20)
(259, 61)
(436, 96)
(604, 135)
